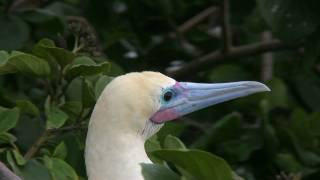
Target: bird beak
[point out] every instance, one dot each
(194, 96)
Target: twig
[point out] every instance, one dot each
(37, 145)
(6, 174)
(226, 29)
(206, 61)
(68, 128)
(196, 19)
(79, 124)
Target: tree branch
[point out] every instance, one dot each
(79, 124)
(37, 145)
(206, 61)
(267, 58)
(226, 28)
(186, 26)
(68, 128)
(6, 174)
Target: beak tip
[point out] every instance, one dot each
(258, 86)
(264, 87)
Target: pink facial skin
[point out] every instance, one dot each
(164, 115)
(168, 114)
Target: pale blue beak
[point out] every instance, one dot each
(189, 97)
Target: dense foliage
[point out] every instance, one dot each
(57, 56)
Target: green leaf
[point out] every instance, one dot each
(101, 84)
(173, 128)
(228, 127)
(8, 119)
(12, 163)
(299, 124)
(289, 19)
(59, 169)
(45, 19)
(85, 69)
(241, 149)
(55, 117)
(88, 98)
(3, 57)
(72, 108)
(74, 90)
(60, 151)
(307, 85)
(19, 158)
(25, 63)
(7, 138)
(34, 170)
(314, 124)
(279, 95)
(307, 157)
(202, 165)
(172, 142)
(116, 70)
(288, 163)
(28, 107)
(151, 145)
(83, 60)
(14, 32)
(47, 49)
(157, 172)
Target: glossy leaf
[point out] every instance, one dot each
(79, 69)
(48, 50)
(59, 169)
(15, 33)
(3, 57)
(88, 98)
(7, 138)
(72, 108)
(25, 63)
(55, 116)
(202, 165)
(19, 158)
(28, 107)
(34, 170)
(171, 142)
(157, 172)
(8, 119)
(153, 144)
(60, 151)
(101, 84)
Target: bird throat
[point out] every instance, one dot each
(115, 152)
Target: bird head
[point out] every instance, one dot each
(152, 98)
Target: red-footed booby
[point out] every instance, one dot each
(135, 106)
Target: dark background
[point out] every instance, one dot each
(264, 136)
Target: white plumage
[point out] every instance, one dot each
(122, 120)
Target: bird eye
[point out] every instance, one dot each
(167, 96)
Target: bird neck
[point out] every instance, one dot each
(114, 150)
